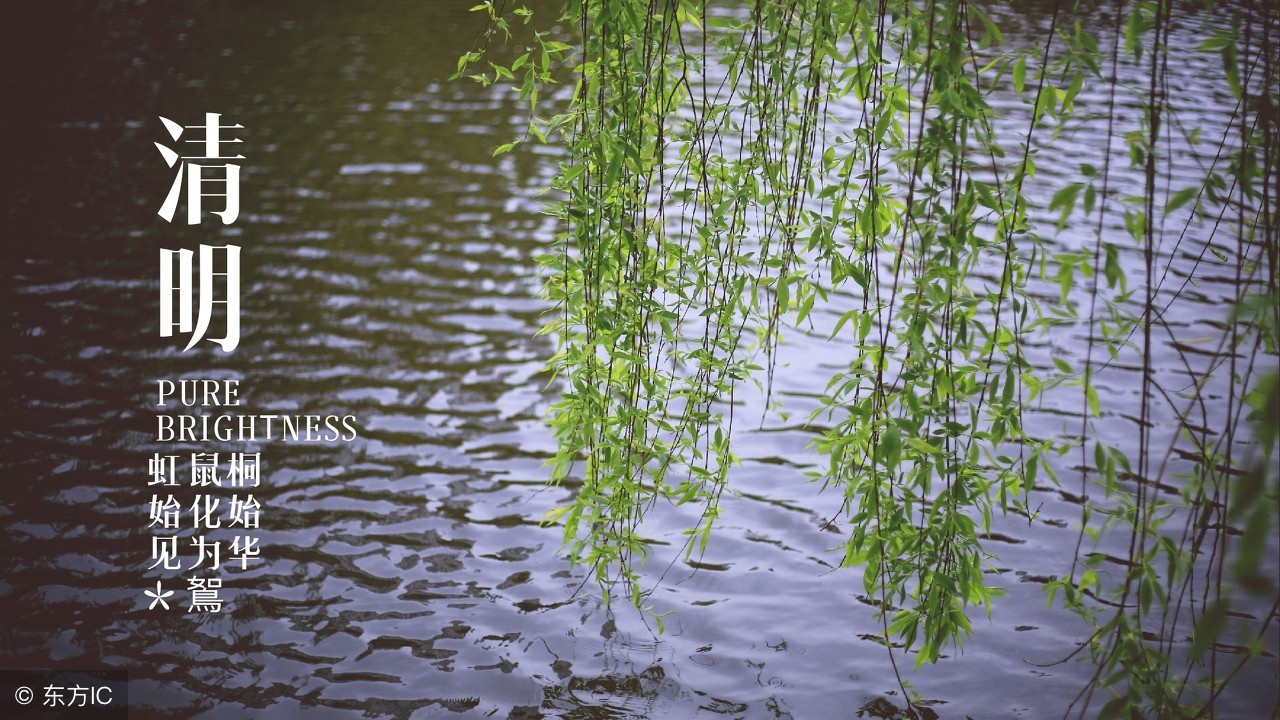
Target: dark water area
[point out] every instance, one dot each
(389, 274)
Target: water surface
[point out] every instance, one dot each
(389, 274)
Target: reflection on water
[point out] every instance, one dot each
(389, 275)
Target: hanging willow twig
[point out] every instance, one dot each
(733, 171)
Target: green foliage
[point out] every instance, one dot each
(729, 173)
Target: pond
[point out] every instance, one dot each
(389, 275)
